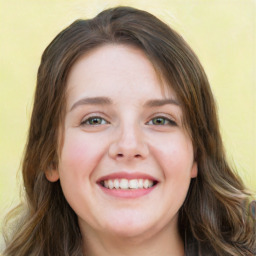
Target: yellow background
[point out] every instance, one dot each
(222, 33)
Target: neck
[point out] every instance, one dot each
(165, 242)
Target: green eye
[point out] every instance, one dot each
(94, 121)
(161, 121)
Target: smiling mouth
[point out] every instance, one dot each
(127, 184)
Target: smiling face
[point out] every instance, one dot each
(126, 161)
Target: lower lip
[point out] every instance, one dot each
(127, 193)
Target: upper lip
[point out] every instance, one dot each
(126, 175)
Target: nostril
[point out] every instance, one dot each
(120, 155)
(137, 156)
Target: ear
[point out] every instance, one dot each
(194, 170)
(52, 174)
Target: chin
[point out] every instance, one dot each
(130, 226)
(129, 232)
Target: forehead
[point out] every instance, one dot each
(113, 70)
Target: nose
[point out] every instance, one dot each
(128, 144)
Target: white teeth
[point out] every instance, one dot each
(110, 184)
(128, 184)
(140, 183)
(116, 183)
(124, 184)
(133, 184)
(147, 183)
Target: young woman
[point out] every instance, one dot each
(124, 154)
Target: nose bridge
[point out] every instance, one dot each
(129, 137)
(129, 141)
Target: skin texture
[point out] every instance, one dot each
(128, 136)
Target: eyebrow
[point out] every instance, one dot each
(92, 101)
(161, 102)
(108, 101)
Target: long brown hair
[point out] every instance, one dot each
(215, 215)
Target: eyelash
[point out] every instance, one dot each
(93, 118)
(166, 121)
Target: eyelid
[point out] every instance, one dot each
(92, 118)
(171, 120)
(94, 115)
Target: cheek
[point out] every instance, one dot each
(80, 156)
(80, 153)
(174, 154)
